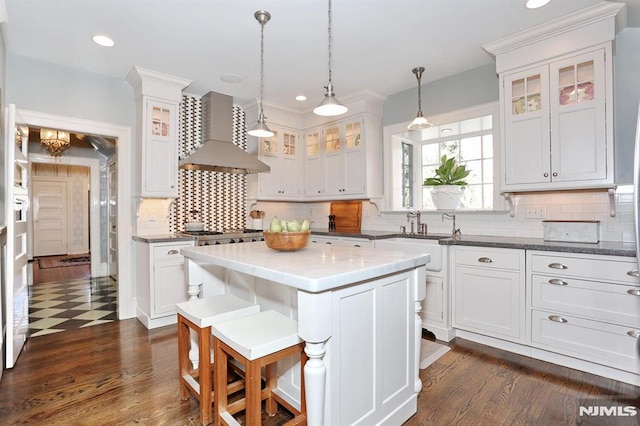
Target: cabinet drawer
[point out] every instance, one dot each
(490, 258)
(613, 303)
(587, 267)
(594, 341)
(170, 251)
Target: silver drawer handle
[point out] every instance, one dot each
(485, 260)
(556, 281)
(556, 265)
(173, 252)
(634, 273)
(357, 245)
(634, 333)
(557, 318)
(634, 291)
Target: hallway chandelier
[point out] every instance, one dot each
(56, 141)
(330, 106)
(420, 122)
(261, 130)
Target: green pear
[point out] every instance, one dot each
(275, 225)
(304, 226)
(293, 226)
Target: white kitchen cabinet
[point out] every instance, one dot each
(554, 119)
(157, 98)
(314, 170)
(556, 96)
(585, 306)
(488, 291)
(343, 157)
(435, 313)
(282, 153)
(160, 281)
(341, 241)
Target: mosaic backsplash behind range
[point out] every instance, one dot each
(219, 197)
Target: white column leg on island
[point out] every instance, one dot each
(193, 277)
(314, 326)
(420, 292)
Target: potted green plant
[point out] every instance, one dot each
(447, 183)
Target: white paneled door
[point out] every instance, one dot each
(112, 208)
(49, 217)
(16, 297)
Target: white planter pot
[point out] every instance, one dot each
(447, 197)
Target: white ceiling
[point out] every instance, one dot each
(376, 43)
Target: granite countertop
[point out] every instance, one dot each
(610, 248)
(162, 238)
(316, 268)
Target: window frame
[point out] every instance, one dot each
(395, 134)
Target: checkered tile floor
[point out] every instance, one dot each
(60, 306)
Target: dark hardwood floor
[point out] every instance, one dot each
(122, 373)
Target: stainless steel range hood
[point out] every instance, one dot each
(218, 153)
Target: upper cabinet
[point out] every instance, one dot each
(282, 153)
(556, 95)
(157, 98)
(325, 158)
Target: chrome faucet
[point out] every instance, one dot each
(455, 232)
(421, 228)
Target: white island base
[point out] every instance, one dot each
(357, 310)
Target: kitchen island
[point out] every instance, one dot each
(357, 310)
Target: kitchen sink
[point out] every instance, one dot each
(415, 246)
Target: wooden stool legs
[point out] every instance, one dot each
(201, 389)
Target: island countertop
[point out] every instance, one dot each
(314, 269)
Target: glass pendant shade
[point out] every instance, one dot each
(330, 106)
(420, 122)
(261, 130)
(55, 141)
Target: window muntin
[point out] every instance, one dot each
(470, 141)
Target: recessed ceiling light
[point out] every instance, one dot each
(231, 78)
(103, 40)
(301, 98)
(534, 4)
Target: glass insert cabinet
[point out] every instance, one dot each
(555, 122)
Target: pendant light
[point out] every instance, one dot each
(330, 106)
(420, 122)
(261, 130)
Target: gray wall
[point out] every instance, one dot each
(473, 87)
(481, 85)
(626, 73)
(55, 89)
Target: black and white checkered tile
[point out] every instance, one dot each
(61, 306)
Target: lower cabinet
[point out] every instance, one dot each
(160, 282)
(341, 241)
(585, 306)
(488, 291)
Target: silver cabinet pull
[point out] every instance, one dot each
(328, 242)
(634, 291)
(357, 245)
(173, 252)
(557, 318)
(634, 333)
(485, 260)
(556, 281)
(634, 273)
(556, 265)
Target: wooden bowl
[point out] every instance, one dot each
(286, 241)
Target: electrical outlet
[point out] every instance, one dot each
(536, 212)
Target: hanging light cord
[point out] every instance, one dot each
(329, 43)
(261, 65)
(419, 74)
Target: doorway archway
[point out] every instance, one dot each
(122, 134)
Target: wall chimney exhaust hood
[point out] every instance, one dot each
(218, 153)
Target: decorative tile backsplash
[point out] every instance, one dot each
(219, 197)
